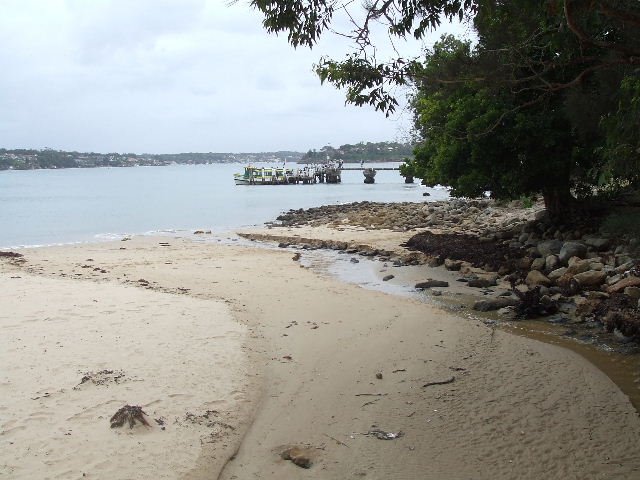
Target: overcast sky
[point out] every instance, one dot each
(153, 76)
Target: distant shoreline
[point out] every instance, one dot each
(35, 159)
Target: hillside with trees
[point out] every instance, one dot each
(26, 159)
(361, 152)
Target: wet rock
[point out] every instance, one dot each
(558, 319)
(535, 277)
(508, 312)
(621, 336)
(571, 249)
(354, 260)
(586, 306)
(490, 304)
(431, 283)
(386, 278)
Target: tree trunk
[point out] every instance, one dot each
(558, 202)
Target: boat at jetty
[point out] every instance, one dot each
(264, 176)
(329, 173)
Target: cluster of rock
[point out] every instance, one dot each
(575, 269)
(479, 217)
(592, 276)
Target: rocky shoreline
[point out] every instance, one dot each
(523, 264)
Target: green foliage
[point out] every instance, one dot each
(607, 34)
(470, 145)
(621, 149)
(527, 201)
(548, 99)
(408, 168)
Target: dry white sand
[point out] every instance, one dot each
(180, 358)
(516, 408)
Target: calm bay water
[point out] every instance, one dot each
(45, 207)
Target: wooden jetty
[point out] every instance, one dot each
(328, 173)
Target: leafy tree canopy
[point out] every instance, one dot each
(547, 99)
(608, 33)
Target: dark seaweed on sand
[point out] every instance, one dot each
(129, 414)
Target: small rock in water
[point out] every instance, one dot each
(386, 278)
(493, 304)
(430, 283)
(482, 283)
(354, 260)
(558, 319)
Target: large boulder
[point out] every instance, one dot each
(482, 282)
(453, 265)
(572, 249)
(597, 243)
(490, 304)
(591, 278)
(551, 262)
(538, 264)
(624, 283)
(633, 292)
(431, 283)
(578, 266)
(535, 277)
(549, 247)
(557, 273)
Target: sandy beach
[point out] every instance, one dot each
(237, 353)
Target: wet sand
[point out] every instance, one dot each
(284, 356)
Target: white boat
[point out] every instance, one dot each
(264, 176)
